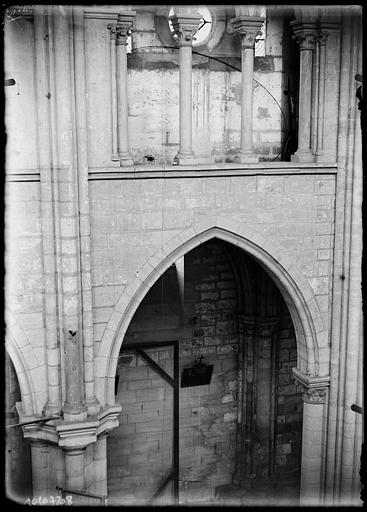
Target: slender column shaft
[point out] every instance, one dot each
(247, 55)
(247, 27)
(185, 24)
(114, 152)
(84, 215)
(321, 93)
(186, 100)
(315, 95)
(48, 220)
(305, 37)
(122, 29)
(69, 221)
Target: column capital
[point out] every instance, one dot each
(123, 26)
(315, 395)
(314, 388)
(305, 34)
(248, 28)
(185, 26)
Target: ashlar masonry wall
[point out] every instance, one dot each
(132, 219)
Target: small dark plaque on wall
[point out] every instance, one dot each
(199, 374)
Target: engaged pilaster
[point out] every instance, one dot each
(185, 26)
(123, 27)
(305, 34)
(247, 27)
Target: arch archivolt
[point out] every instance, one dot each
(311, 333)
(26, 366)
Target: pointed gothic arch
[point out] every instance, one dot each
(311, 334)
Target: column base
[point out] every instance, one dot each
(303, 157)
(72, 413)
(246, 158)
(126, 160)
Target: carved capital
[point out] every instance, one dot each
(247, 27)
(123, 27)
(313, 389)
(185, 27)
(315, 395)
(305, 34)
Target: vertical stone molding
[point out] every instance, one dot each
(40, 468)
(246, 403)
(67, 175)
(247, 27)
(346, 365)
(83, 207)
(114, 151)
(305, 34)
(124, 25)
(74, 468)
(185, 26)
(265, 395)
(321, 45)
(314, 435)
(53, 404)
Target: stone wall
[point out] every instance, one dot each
(131, 220)
(24, 280)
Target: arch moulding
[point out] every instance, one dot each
(311, 334)
(26, 366)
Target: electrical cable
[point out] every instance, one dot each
(236, 69)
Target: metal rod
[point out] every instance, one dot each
(357, 408)
(155, 366)
(148, 344)
(42, 420)
(176, 410)
(101, 497)
(164, 483)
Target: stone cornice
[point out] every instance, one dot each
(67, 434)
(212, 170)
(309, 382)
